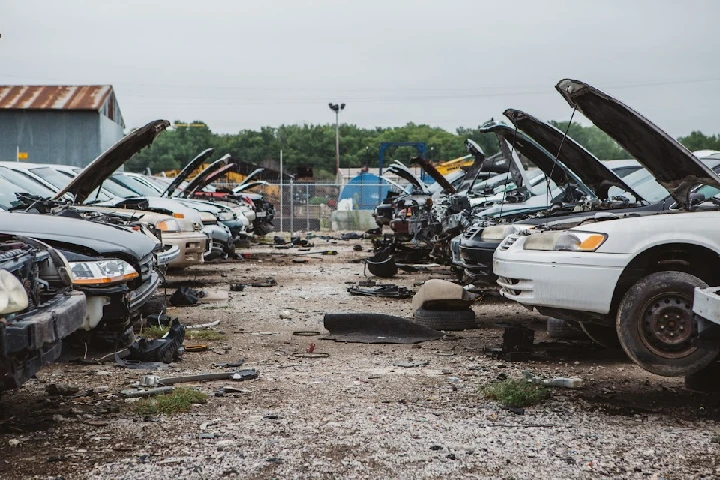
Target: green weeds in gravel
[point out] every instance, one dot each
(179, 401)
(515, 392)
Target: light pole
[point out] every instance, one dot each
(337, 108)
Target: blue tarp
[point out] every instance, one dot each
(366, 191)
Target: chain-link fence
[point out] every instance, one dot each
(312, 206)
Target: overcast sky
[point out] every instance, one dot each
(245, 64)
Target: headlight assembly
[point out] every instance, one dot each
(580, 241)
(568, 241)
(102, 272)
(170, 225)
(226, 215)
(13, 297)
(497, 233)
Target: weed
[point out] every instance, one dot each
(154, 332)
(516, 392)
(178, 401)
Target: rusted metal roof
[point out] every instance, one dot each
(54, 97)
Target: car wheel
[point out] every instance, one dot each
(656, 325)
(562, 330)
(603, 335)
(446, 319)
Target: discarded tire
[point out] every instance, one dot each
(656, 325)
(446, 319)
(562, 330)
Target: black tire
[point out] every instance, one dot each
(562, 330)
(451, 320)
(603, 335)
(656, 325)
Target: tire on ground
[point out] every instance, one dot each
(562, 330)
(656, 298)
(446, 319)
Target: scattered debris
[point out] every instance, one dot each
(203, 325)
(352, 236)
(357, 248)
(517, 343)
(382, 264)
(159, 320)
(165, 349)
(268, 282)
(61, 389)
(186, 297)
(375, 328)
(411, 364)
(285, 315)
(238, 363)
(306, 333)
(138, 393)
(237, 287)
(311, 355)
(388, 290)
(196, 348)
(246, 374)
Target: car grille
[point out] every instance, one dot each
(508, 242)
(146, 266)
(470, 232)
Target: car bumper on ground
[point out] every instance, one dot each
(191, 247)
(564, 280)
(36, 337)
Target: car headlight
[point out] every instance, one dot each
(13, 297)
(499, 232)
(225, 215)
(101, 272)
(575, 241)
(208, 218)
(170, 225)
(569, 240)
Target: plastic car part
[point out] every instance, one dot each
(186, 296)
(384, 290)
(165, 349)
(376, 328)
(382, 264)
(563, 330)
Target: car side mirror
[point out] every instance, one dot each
(697, 198)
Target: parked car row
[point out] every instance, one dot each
(80, 249)
(614, 247)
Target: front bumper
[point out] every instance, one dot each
(34, 339)
(167, 255)
(476, 258)
(191, 246)
(581, 281)
(122, 303)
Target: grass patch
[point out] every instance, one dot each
(179, 401)
(516, 392)
(204, 335)
(158, 332)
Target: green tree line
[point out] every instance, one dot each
(314, 145)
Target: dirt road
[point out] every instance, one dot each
(354, 414)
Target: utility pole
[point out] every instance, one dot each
(281, 191)
(337, 108)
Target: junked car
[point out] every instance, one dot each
(38, 308)
(633, 276)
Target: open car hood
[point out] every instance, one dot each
(674, 166)
(200, 178)
(185, 172)
(214, 176)
(435, 175)
(516, 168)
(92, 176)
(403, 172)
(241, 186)
(249, 185)
(583, 163)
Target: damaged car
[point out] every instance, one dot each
(630, 277)
(38, 308)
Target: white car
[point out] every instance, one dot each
(637, 273)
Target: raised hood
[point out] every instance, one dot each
(185, 172)
(583, 163)
(249, 185)
(435, 175)
(111, 159)
(214, 176)
(674, 166)
(246, 180)
(200, 178)
(403, 172)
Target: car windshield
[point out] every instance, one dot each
(135, 184)
(8, 193)
(60, 179)
(117, 189)
(25, 183)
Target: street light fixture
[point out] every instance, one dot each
(337, 108)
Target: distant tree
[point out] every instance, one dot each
(593, 139)
(699, 141)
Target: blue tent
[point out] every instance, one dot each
(366, 190)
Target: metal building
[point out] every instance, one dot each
(67, 125)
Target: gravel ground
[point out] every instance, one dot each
(354, 414)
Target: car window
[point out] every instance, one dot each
(137, 186)
(8, 193)
(27, 184)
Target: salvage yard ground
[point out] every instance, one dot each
(354, 414)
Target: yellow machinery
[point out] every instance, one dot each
(451, 165)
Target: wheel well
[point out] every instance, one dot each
(675, 257)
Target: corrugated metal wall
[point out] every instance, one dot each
(61, 137)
